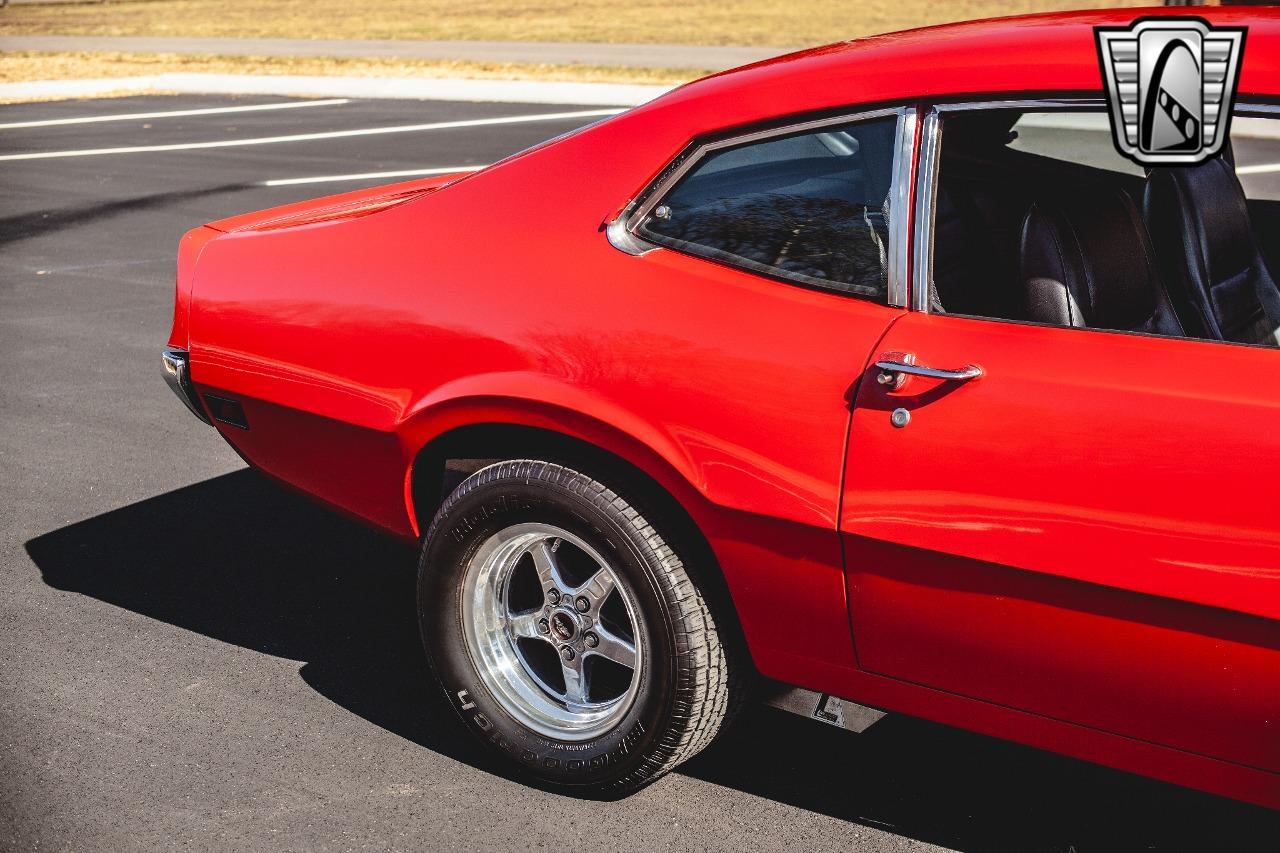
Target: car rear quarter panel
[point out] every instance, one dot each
(353, 342)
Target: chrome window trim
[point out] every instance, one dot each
(926, 199)
(1021, 103)
(927, 178)
(621, 232)
(899, 259)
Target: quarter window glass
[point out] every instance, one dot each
(810, 207)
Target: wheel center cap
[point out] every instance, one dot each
(563, 626)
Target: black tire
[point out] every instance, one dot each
(685, 686)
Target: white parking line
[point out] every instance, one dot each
(288, 105)
(305, 137)
(403, 173)
(167, 259)
(1258, 169)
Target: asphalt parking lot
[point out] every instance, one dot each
(191, 658)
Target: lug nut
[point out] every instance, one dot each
(567, 652)
(544, 627)
(553, 595)
(582, 604)
(591, 639)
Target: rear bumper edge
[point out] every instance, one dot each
(176, 373)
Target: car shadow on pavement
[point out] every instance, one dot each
(241, 560)
(245, 561)
(37, 223)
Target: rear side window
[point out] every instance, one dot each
(808, 207)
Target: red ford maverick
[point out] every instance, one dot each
(874, 378)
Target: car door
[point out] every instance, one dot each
(1083, 527)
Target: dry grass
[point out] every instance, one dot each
(32, 65)
(745, 22)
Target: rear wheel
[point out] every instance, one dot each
(566, 631)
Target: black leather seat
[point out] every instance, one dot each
(1086, 260)
(1199, 224)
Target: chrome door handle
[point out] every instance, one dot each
(895, 367)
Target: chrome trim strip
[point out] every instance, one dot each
(899, 258)
(1021, 103)
(623, 240)
(926, 198)
(175, 362)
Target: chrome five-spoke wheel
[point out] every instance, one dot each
(552, 630)
(558, 616)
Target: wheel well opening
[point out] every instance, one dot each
(451, 458)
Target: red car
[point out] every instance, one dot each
(872, 372)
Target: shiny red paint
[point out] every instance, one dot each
(1090, 512)
(1078, 551)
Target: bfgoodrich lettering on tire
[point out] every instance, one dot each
(565, 631)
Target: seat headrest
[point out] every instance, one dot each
(1086, 260)
(1199, 219)
(1215, 225)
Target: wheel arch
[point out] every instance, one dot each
(487, 431)
(489, 440)
(474, 422)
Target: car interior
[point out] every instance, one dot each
(1038, 219)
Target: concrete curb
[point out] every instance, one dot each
(409, 88)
